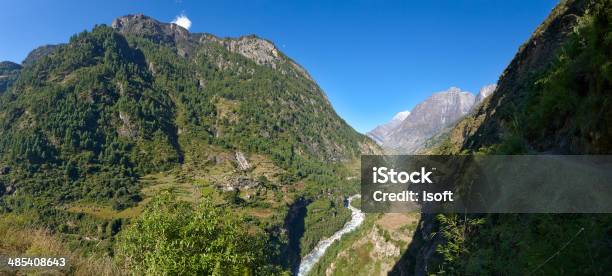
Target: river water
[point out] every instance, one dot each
(313, 257)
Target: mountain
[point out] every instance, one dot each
(429, 117)
(553, 98)
(92, 130)
(484, 92)
(37, 53)
(9, 72)
(379, 133)
(411, 131)
(143, 84)
(258, 50)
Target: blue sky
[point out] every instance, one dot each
(372, 58)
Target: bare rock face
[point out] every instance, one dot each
(261, 51)
(148, 27)
(237, 183)
(162, 33)
(409, 131)
(428, 118)
(380, 132)
(242, 162)
(484, 92)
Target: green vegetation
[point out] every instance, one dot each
(348, 240)
(22, 236)
(567, 109)
(323, 218)
(372, 249)
(104, 110)
(172, 238)
(92, 131)
(518, 244)
(572, 98)
(356, 203)
(8, 74)
(455, 230)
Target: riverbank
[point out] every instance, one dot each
(308, 261)
(373, 249)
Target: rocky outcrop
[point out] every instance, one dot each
(128, 128)
(168, 34)
(484, 92)
(240, 183)
(242, 162)
(380, 245)
(261, 51)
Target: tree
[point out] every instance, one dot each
(171, 237)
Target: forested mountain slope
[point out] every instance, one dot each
(122, 110)
(117, 100)
(9, 72)
(553, 98)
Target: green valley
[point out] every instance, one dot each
(128, 128)
(143, 148)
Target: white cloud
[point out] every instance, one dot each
(182, 21)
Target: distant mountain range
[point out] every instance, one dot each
(409, 131)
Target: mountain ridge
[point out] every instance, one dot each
(379, 133)
(9, 72)
(260, 50)
(118, 115)
(427, 119)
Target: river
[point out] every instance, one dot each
(315, 255)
